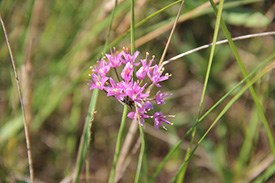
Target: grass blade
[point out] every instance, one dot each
(229, 105)
(141, 154)
(179, 177)
(244, 73)
(118, 143)
(26, 128)
(86, 135)
(176, 146)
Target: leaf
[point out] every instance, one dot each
(10, 128)
(246, 18)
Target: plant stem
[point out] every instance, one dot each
(171, 33)
(132, 26)
(26, 128)
(118, 143)
(141, 154)
(181, 173)
(86, 135)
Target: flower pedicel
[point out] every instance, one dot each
(129, 86)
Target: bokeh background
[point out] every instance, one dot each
(55, 42)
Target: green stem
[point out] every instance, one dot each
(230, 92)
(251, 89)
(132, 26)
(86, 135)
(229, 105)
(181, 172)
(110, 28)
(141, 154)
(118, 143)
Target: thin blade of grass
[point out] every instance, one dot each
(251, 132)
(238, 95)
(141, 154)
(118, 143)
(179, 177)
(88, 128)
(140, 23)
(199, 12)
(141, 135)
(125, 108)
(177, 145)
(248, 36)
(86, 135)
(171, 34)
(26, 127)
(110, 28)
(244, 73)
(229, 105)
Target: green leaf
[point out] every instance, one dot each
(246, 18)
(11, 128)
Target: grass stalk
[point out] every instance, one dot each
(248, 36)
(86, 136)
(118, 143)
(141, 154)
(265, 70)
(26, 128)
(171, 33)
(132, 35)
(181, 173)
(125, 108)
(110, 28)
(233, 89)
(251, 89)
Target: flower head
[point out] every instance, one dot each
(127, 87)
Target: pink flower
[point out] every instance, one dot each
(128, 90)
(128, 57)
(115, 58)
(160, 96)
(159, 119)
(127, 72)
(155, 75)
(135, 92)
(115, 90)
(97, 82)
(102, 69)
(144, 69)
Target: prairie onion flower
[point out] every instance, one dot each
(131, 84)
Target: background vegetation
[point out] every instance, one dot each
(55, 42)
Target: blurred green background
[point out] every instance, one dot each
(55, 42)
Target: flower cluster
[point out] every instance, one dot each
(130, 83)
